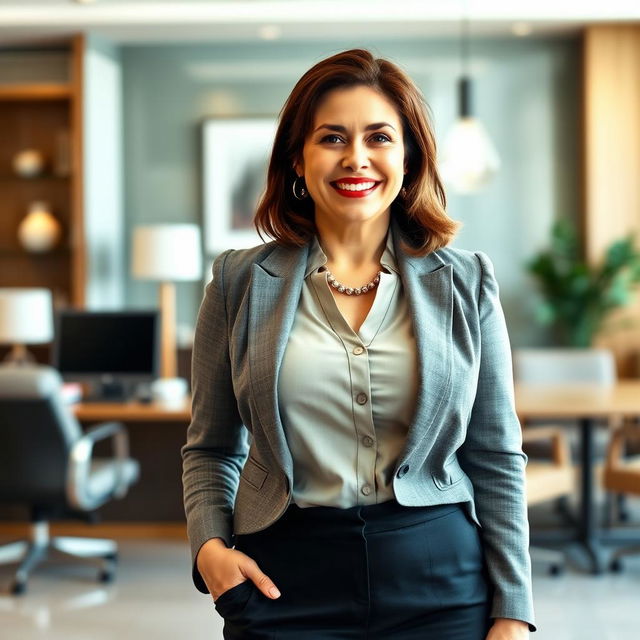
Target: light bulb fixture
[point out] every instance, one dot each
(521, 29)
(469, 159)
(270, 32)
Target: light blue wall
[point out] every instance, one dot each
(103, 192)
(526, 92)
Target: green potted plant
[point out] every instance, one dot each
(578, 297)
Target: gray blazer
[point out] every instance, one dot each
(463, 445)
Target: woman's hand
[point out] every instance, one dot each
(222, 568)
(508, 629)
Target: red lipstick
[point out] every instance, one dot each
(344, 188)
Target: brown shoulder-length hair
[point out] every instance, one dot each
(420, 214)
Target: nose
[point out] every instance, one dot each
(355, 157)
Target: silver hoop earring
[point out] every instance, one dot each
(300, 190)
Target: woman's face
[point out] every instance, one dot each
(353, 160)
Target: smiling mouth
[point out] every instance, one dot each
(355, 189)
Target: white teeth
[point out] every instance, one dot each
(362, 186)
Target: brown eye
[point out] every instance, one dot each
(380, 137)
(331, 138)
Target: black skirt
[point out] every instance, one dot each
(377, 571)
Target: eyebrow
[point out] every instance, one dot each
(341, 129)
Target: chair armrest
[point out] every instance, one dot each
(559, 447)
(615, 450)
(534, 434)
(80, 458)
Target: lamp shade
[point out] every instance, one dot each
(167, 252)
(26, 316)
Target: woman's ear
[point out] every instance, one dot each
(298, 167)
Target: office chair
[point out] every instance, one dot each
(554, 479)
(46, 463)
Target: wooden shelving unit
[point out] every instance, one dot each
(31, 92)
(34, 116)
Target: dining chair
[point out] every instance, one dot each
(621, 476)
(549, 480)
(550, 471)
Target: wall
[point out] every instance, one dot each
(103, 193)
(526, 93)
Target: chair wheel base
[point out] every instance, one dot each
(556, 570)
(18, 588)
(108, 573)
(616, 565)
(106, 576)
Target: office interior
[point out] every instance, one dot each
(116, 137)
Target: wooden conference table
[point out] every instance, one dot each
(587, 404)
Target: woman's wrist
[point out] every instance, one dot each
(211, 546)
(511, 622)
(218, 543)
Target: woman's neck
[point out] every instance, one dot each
(353, 247)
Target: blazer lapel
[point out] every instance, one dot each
(428, 283)
(276, 284)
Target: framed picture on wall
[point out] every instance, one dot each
(235, 158)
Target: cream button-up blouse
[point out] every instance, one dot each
(346, 398)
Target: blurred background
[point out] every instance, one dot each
(133, 143)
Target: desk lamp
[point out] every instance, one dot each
(167, 253)
(26, 317)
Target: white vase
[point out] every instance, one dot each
(39, 231)
(28, 163)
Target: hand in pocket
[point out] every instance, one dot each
(222, 569)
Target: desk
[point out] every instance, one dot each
(131, 412)
(585, 403)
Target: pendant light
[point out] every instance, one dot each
(469, 159)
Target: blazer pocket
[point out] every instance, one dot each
(254, 473)
(451, 475)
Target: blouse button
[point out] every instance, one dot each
(367, 441)
(361, 398)
(358, 350)
(366, 489)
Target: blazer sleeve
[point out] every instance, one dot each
(493, 459)
(217, 442)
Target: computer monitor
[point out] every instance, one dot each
(114, 350)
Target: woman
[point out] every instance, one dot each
(380, 493)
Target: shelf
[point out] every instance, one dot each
(8, 177)
(36, 92)
(13, 252)
(44, 102)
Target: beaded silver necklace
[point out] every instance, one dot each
(352, 291)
